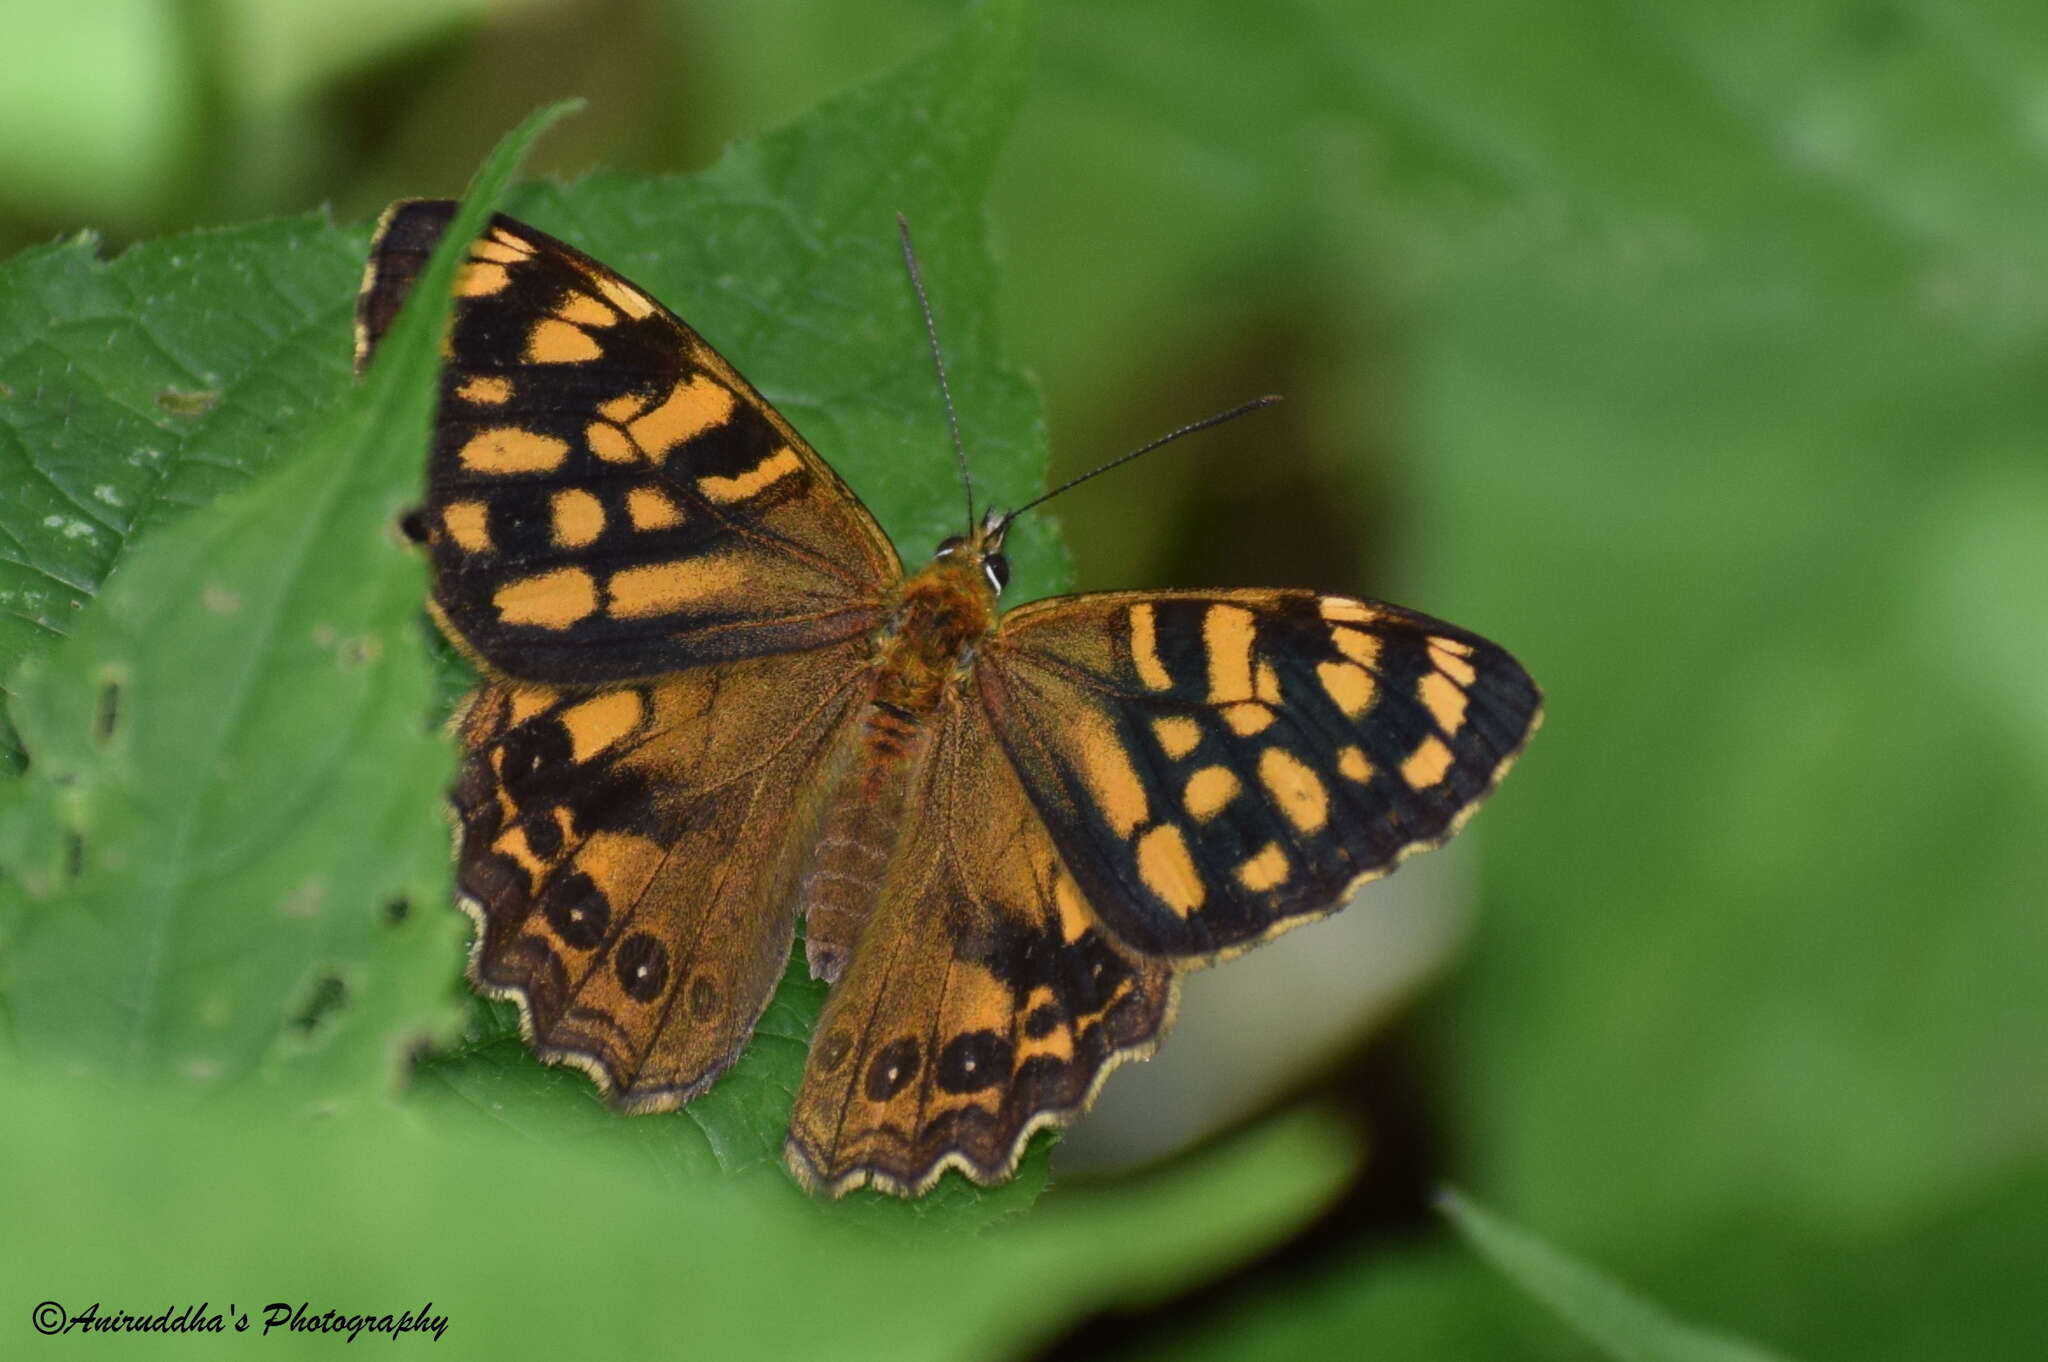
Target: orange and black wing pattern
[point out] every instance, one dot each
(607, 499)
(985, 999)
(630, 856)
(1216, 767)
(670, 595)
(694, 642)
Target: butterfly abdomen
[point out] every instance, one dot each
(858, 835)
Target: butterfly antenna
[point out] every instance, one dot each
(931, 331)
(1218, 419)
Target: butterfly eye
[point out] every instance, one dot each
(997, 569)
(949, 546)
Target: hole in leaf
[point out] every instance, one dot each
(327, 996)
(179, 402)
(413, 524)
(359, 652)
(74, 854)
(396, 911)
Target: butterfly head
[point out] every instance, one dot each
(943, 611)
(981, 549)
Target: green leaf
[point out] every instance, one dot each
(1623, 1325)
(530, 1253)
(136, 389)
(1734, 453)
(99, 107)
(231, 817)
(1428, 1297)
(274, 60)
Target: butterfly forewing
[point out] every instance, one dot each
(1218, 766)
(606, 498)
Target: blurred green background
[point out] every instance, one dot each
(1693, 352)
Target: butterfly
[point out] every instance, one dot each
(713, 704)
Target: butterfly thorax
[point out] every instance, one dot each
(940, 616)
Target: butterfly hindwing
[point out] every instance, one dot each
(607, 498)
(1218, 766)
(984, 998)
(630, 857)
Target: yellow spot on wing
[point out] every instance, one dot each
(512, 843)
(551, 600)
(585, 310)
(578, 518)
(1295, 788)
(480, 281)
(502, 248)
(769, 471)
(1450, 656)
(1342, 608)
(628, 299)
(1145, 650)
(1106, 769)
(1075, 919)
(528, 701)
(558, 342)
(1446, 703)
(1427, 764)
(1353, 764)
(1247, 719)
(508, 449)
(650, 509)
(486, 390)
(1178, 735)
(1167, 869)
(1227, 635)
(1208, 790)
(609, 443)
(1269, 684)
(1350, 688)
(1058, 1042)
(1362, 648)
(662, 588)
(975, 1001)
(621, 409)
(1266, 870)
(468, 524)
(599, 722)
(691, 408)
